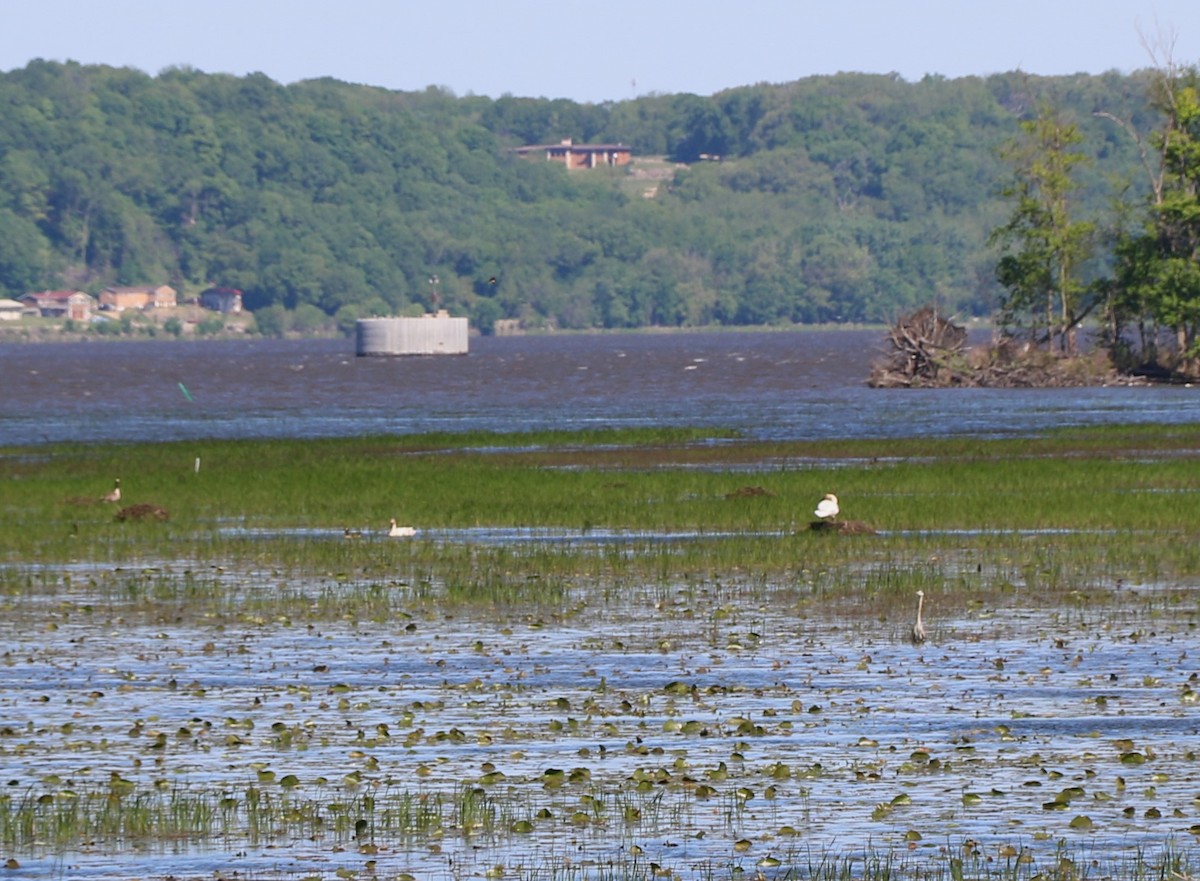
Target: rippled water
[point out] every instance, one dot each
(806, 723)
(771, 385)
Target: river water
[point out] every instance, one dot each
(774, 385)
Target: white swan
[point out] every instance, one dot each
(827, 508)
(400, 531)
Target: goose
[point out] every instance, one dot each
(827, 508)
(113, 495)
(918, 628)
(400, 531)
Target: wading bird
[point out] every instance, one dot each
(113, 495)
(400, 531)
(918, 629)
(827, 508)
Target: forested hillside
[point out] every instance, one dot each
(846, 198)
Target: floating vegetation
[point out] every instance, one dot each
(688, 688)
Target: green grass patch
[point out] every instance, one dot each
(1072, 509)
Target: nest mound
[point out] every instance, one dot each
(746, 492)
(842, 527)
(143, 512)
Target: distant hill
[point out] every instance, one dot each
(843, 198)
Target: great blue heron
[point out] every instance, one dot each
(400, 531)
(827, 508)
(113, 495)
(918, 628)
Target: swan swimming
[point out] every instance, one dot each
(400, 531)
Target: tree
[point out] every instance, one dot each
(847, 197)
(1046, 246)
(700, 129)
(307, 318)
(271, 320)
(1176, 217)
(23, 254)
(1156, 279)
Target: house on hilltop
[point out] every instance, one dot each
(575, 155)
(225, 300)
(75, 305)
(118, 299)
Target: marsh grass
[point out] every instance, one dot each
(126, 814)
(359, 484)
(1078, 509)
(960, 863)
(71, 817)
(967, 862)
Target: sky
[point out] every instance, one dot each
(602, 50)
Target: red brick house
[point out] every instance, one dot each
(75, 305)
(575, 155)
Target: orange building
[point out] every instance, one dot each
(140, 297)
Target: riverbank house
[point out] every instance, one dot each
(75, 305)
(140, 297)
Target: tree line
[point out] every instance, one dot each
(848, 198)
(1135, 268)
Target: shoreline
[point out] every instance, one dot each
(47, 333)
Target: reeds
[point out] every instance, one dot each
(68, 818)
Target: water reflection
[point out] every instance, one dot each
(499, 535)
(544, 535)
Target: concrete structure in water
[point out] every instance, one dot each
(428, 335)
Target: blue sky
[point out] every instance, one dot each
(604, 50)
